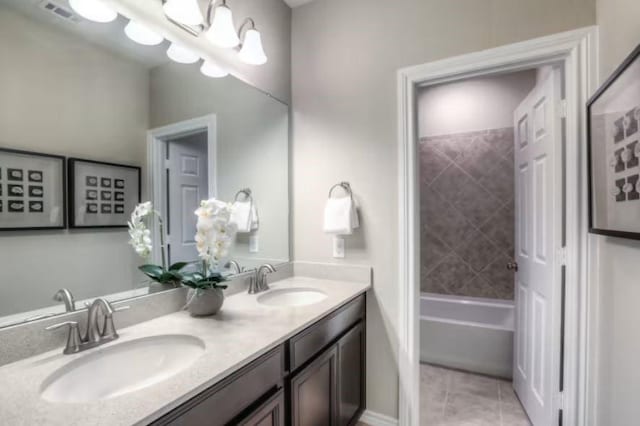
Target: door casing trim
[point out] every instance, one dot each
(577, 52)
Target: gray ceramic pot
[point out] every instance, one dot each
(202, 303)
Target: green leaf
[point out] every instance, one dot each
(152, 271)
(178, 266)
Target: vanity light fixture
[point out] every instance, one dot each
(213, 70)
(93, 10)
(185, 12)
(142, 34)
(222, 33)
(181, 54)
(251, 51)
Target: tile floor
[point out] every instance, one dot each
(455, 398)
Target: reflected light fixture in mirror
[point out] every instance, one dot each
(185, 12)
(213, 70)
(181, 54)
(141, 34)
(252, 52)
(222, 32)
(93, 10)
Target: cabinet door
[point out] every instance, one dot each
(351, 364)
(313, 392)
(270, 413)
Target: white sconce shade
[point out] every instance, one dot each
(222, 32)
(213, 70)
(252, 52)
(186, 12)
(93, 10)
(142, 34)
(181, 54)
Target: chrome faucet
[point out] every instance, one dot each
(258, 282)
(233, 265)
(64, 295)
(94, 334)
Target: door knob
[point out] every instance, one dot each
(512, 266)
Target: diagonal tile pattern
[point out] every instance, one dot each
(467, 213)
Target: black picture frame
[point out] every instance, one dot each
(617, 137)
(78, 186)
(25, 198)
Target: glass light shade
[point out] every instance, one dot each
(186, 12)
(222, 32)
(142, 34)
(181, 54)
(211, 69)
(93, 10)
(252, 52)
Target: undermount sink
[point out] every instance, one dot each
(292, 297)
(122, 368)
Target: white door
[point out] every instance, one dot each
(187, 183)
(538, 239)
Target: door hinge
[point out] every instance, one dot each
(560, 400)
(562, 255)
(562, 108)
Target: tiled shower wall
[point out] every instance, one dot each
(467, 213)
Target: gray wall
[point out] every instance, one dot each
(467, 184)
(345, 54)
(252, 146)
(615, 266)
(61, 95)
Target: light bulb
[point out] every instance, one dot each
(252, 52)
(93, 10)
(181, 54)
(211, 69)
(186, 12)
(222, 32)
(142, 34)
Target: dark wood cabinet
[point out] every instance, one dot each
(351, 375)
(313, 392)
(271, 413)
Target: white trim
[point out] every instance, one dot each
(156, 143)
(577, 51)
(376, 419)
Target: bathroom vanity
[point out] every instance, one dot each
(315, 377)
(280, 357)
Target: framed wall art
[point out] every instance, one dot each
(32, 191)
(101, 195)
(613, 115)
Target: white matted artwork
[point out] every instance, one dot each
(614, 153)
(32, 191)
(101, 195)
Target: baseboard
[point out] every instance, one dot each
(375, 419)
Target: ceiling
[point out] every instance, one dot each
(296, 3)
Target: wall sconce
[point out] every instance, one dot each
(93, 10)
(251, 51)
(222, 33)
(186, 12)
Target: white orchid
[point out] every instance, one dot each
(138, 231)
(214, 232)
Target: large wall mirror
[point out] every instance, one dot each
(74, 89)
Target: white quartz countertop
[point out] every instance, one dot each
(240, 333)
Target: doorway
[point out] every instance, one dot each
(182, 172)
(575, 52)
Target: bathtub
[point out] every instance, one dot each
(467, 333)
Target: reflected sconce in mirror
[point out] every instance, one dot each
(213, 70)
(251, 51)
(142, 34)
(93, 10)
(183, 55)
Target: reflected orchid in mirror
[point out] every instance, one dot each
(214, 231)
(138, 231)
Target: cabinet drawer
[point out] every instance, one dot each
(311, 341)
(218, 405)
